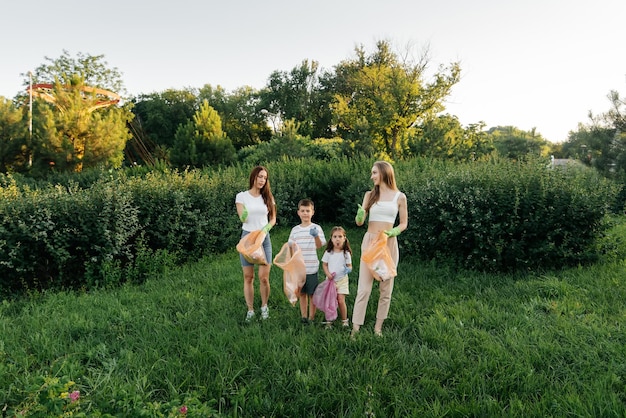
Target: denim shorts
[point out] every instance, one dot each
(267, 247)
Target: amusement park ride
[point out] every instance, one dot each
(103, 97)
(137, 148)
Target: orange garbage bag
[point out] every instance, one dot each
(251, 247)
(378, 259)
(290, 260)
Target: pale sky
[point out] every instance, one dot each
(540, 64)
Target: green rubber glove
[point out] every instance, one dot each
(360, 215)
(393, 232)
(267, 228)
(244, 214)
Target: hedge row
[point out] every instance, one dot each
(497, 216)
(503, 217)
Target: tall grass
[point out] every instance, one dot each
(456, 344)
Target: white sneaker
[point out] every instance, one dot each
(265, 312)
(249, 316)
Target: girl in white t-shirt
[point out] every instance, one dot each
(257, 211)
(337, 264)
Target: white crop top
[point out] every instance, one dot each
(385, 211)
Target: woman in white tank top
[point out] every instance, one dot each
(384, 203)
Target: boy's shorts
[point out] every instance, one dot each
(310, 284)
(343, 285)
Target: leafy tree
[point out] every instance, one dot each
(290, 95)
(481, 142)
(597, 146)
(13, 137)
(78, 123)
(290, 144)
(601, 142)
(444, 137)
(384, 96)
(580, 145)
(616, 115)
(161, 114)
(322, 107)
(607, 142)
(71, 135)
(91, 69)
(240, 113)
(202, 142)
(514, 143)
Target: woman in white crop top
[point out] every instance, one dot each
(383, 204)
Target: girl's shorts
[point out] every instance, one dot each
(343, 285)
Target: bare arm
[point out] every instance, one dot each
(326, 271)
(403, 212)
(239, 209)
(272, 220)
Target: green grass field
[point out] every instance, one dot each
(456, 344)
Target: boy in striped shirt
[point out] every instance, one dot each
(309, 237)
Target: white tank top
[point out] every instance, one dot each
(385, 211)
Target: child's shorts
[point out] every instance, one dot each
(343, 285)
(310, 284)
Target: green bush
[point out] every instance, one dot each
(496, 216)
(189, 214)
(50, 237)
(336, 187)
(500, 216)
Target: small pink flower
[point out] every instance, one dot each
(74, 396)
(183, 410)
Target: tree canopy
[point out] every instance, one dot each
(70, 136)
(75, 122)
(381, 103)
(202, 142)
(387, 96)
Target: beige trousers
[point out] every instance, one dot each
(366, 281)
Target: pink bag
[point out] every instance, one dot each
(325, 299)
(290, 259)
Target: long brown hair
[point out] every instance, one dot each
(266, 191)
(387, 176)
(346, 243)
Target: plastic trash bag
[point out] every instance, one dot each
(251, 247)
(325, 299)
(378, 259)
(290, 260)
